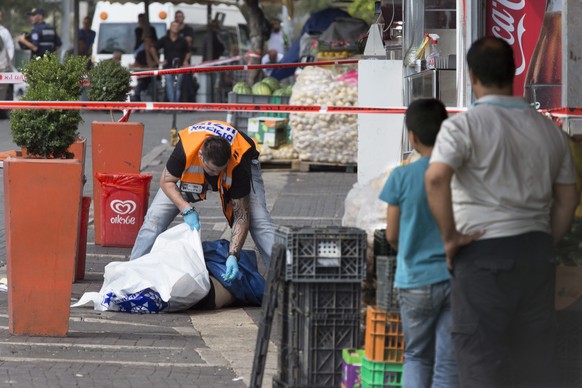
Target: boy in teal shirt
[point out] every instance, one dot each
(422, 277)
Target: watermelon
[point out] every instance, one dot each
(241, 88)
(261, 89)
(272, 82)
(284, 91)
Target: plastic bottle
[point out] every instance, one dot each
(543, 82)
(433, 52)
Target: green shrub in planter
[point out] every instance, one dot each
(49, 133)
(109, 81)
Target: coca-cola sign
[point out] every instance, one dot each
(518, 22)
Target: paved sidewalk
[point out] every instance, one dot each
(190, 349)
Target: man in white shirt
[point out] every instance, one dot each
(502, 188)
(6, 57)
(272, 56)
(278, 39)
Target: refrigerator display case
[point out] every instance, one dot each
(437, 83)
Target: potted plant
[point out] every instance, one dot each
(42, 200)
(49, 133)
(119, 143)
(109, 81)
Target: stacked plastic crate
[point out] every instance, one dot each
(319, 302)
(240, 119)
(384, 339)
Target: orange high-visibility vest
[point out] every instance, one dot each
(193, 176)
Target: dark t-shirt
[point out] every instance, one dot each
(241, 175)
(173, 49)
(187, 31)
(139, 36)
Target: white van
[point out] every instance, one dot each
(114, 24)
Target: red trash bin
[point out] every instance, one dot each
(124, 201)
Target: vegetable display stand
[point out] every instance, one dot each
(41, 242)
(240, 119)
(117, 149)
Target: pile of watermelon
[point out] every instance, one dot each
(266, 87)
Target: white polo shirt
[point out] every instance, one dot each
(506, 158)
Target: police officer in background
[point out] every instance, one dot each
(43, 38)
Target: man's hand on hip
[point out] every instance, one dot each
(457, 241)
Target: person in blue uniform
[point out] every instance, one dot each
(43, 38)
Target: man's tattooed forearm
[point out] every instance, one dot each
(240, 226)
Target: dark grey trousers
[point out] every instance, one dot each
(502, 299)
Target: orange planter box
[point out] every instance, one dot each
(41, 242)
(384, 337)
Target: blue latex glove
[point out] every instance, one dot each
(231, 269)
(193, 220)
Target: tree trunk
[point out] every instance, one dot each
(256, 19)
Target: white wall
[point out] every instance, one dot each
(379, 135)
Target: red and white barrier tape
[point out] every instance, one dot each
(217, 107)
(208, 69)
(205, 67)
(165, 106)
(220, 61)
(11, 78)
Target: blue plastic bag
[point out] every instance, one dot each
(249, 285)
(146, 301)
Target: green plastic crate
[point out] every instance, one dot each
(380, 374)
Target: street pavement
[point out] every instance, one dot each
(185, 349)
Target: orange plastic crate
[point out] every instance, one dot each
(384, 337)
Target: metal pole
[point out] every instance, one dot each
(571, 53)
(65, 25)
(76, 19)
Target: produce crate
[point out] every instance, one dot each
(380, 374)
(240, 119)
(337, 300)
(384, 340)
(315, 354)
(381, 245)
(310, 352)
(351, 365)
(331, 254)
(386, 295)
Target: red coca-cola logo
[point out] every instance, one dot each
(518, 22)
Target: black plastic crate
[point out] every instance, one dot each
(381, 245)
(312, 356)
(331, 254)
(386, 294)
(283, 333)
(313, 335)
(325, 299)
(319, 349)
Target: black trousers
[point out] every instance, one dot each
(502, 299)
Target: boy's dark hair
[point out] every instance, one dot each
(491, 60)
(216, 150)
(424, 118)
